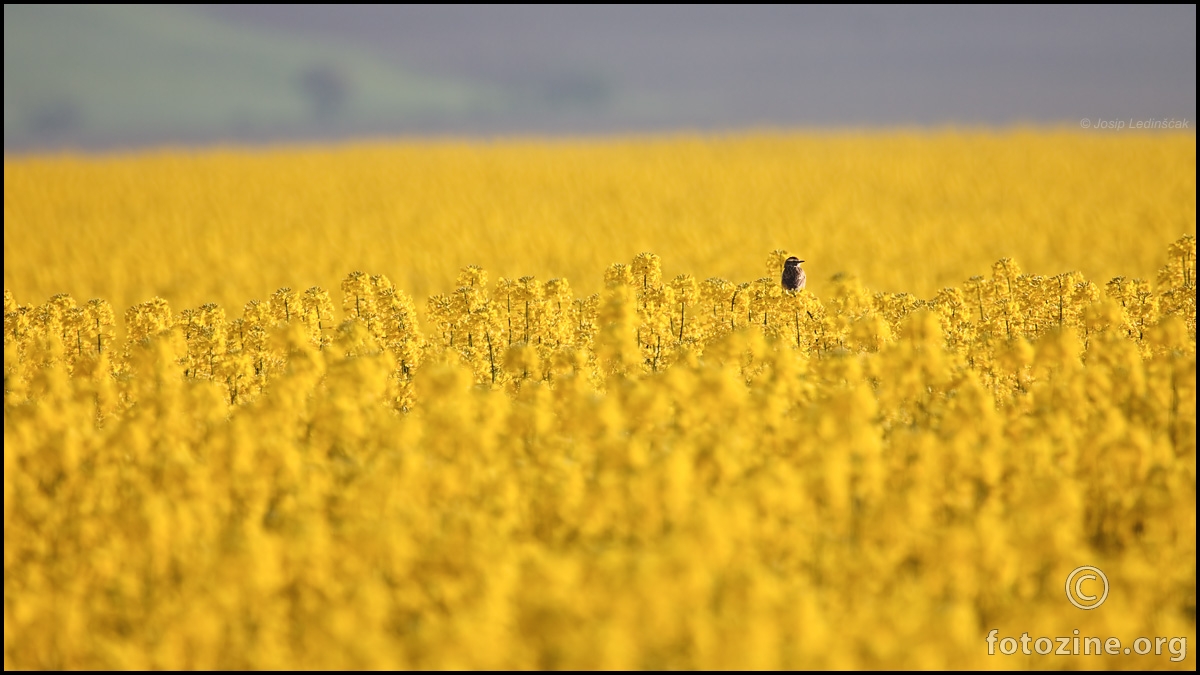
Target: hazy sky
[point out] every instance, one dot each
(818, 65)
(268, 71)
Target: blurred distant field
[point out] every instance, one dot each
(907, 212)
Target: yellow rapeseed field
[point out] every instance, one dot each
(911, 212)
(518, 440)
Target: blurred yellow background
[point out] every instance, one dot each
(904, 211)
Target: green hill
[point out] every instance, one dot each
(122, 73)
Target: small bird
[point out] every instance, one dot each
(793, 274)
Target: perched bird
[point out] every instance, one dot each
(793, 274)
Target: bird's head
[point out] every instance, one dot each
(792, 262)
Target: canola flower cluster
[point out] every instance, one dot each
(669, 473)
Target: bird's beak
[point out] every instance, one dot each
(801, 261)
